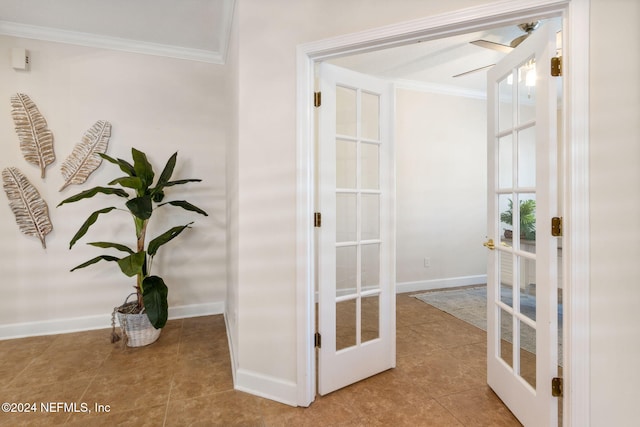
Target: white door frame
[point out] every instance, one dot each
(575, 164)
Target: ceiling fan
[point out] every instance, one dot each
(528, 28)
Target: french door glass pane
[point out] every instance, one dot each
(346, 217)
(527, 221)
(346, 164)
(506, 217)
(505, 103)
(505, 162)
(346, 324)
(346, 270)
(527, 92)
(370, 154)
(370, 318)
(370, 216)
(506, 277)
(370, 116)
(527, 157)
(528, 354)
(505, 320)
(528, 287)
(346, 111)
(370, 266)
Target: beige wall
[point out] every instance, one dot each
(158, 105)
(615, 212)
(441, 188)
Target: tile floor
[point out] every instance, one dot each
(184, 379)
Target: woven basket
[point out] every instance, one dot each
(136, 328)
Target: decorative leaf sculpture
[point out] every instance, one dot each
(85, 158)
(30, 210)
(36, 141)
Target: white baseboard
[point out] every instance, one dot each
(102, 321)
(259, 384)
(451, 282)
(232, 352)
(265, 386)
(195, 310)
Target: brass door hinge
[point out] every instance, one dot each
(556, 387)
(317, 219)
(317, 340)
(317, 99)
(556, 226)
(556, 66)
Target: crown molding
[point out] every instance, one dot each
(14, 29)
(225, 28)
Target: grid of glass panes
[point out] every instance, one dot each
(515, 298)
(358, 239)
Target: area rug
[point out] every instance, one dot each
(470, 305)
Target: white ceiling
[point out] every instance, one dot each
(434, 63)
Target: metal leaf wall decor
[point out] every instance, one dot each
(84, 158)
(36, 140)
(30, 210)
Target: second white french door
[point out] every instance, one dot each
(522, 279)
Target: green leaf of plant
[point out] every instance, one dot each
(125, 166)
(132, 264)
(92, 192)
(118, 246)
(154, 296)
(157, 196)
(94, 260)
(143, 168)
(165, 237)
(185, 205)
(141, 207)
(128, 182)
(181, 181)
(165, 176)
(88, 223)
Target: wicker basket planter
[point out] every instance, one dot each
(136, 328)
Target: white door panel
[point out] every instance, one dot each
(522, 284)
(356, 242)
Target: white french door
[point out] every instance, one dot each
(356, 240)
(522, 352)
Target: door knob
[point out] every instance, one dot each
(489, 244)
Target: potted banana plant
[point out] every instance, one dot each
(140, 320)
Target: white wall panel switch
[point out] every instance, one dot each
(19, 58)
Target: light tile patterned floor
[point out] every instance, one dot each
(184, 379)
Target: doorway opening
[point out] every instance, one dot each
(455, 24)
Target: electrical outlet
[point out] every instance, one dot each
(427, 262)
